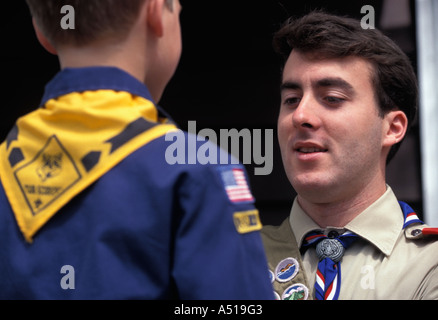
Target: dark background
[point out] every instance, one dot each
(228, 77)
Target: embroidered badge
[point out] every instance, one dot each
(277, 296)
(235, 184)
(296, 292)
(47, 176)
(286, 270)
(247, 221)
(271, 276)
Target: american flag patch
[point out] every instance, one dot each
(235, 184)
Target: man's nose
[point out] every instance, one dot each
(306, 114)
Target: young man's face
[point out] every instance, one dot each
(330, 133)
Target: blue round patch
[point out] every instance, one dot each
(286, 270)
(271, 276)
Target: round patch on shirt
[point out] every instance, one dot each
(286, 270)
(271, 276)
(297, 291)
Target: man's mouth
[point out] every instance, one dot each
(311, 150)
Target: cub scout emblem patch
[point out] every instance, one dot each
(247, 221)
(48, 175)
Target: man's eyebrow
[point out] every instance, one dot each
(289, 85)
(334, 82)
(325, 82)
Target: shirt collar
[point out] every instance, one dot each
(380, 224)
(93, 78)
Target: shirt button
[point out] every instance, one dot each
(415, 232)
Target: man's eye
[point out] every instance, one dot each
(331, 99)
(292, 101)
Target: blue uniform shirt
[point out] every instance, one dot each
(146, 229)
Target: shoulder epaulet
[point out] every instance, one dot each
(422, 231)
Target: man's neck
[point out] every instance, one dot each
(339, 213)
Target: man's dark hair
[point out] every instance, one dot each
(324, 35)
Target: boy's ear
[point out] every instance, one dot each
(43, 40)
(155, 16)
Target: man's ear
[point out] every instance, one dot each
(396, 128)
(43, 40)
(155, 16)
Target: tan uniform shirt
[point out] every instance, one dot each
(386, 263)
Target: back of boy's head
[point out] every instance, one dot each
(94, 19)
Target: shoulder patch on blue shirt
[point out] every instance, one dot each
(235, 184)
(247, 221)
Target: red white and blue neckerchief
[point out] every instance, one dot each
(328, 274)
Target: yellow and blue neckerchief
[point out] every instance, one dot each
(90, 119)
